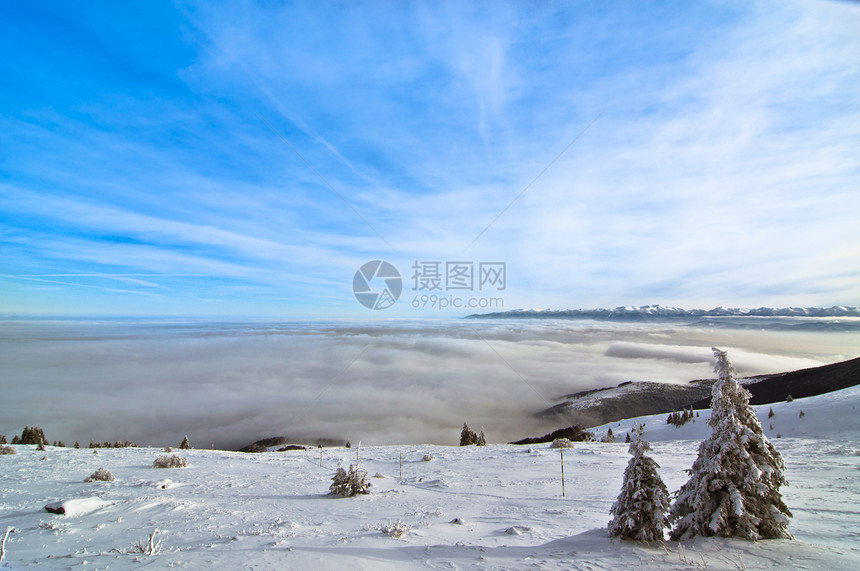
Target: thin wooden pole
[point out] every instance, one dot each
(401, 466)
(320, 456)
(3, 543)
(562, 471)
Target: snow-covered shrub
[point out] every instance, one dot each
(609, 437)
(170, 461)
(640, 510)
(733, 490)
(348, 484)
(168, 449)
(561, 443)
(6, 450)
(149, 547)
(101, 475)
(394, 529)
(427, 458)
(2, 439)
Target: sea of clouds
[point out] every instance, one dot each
(380, 382)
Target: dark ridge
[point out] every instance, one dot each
(644, 398)
(574, 433)
(266, 443)
(803, 383)
(639, 398)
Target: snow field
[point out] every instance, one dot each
(234, 510)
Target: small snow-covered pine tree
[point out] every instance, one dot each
(184, 445)
(733, 490)
(482, 440)
(640, 510)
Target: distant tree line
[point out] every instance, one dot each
(117, 444)
(35, 435)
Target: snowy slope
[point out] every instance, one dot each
(232, 510)
(831, 416)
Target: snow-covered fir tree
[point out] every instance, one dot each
(348, 484)
(185, 445)
(640, 510)
(468, 436)
(482, 440)
(733, 490)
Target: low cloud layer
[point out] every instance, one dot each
(380, 382)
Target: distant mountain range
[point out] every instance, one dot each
(667, 313)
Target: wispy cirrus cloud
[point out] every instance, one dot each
(721, 170)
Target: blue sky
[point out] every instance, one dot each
(144, 168)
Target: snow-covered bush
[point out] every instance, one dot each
(170, 461)
(348, 484)
(6, 450)
(640, 510)
(609, 437)
(149, 547)
(101, 475)
(427, 458)
(733, 490)
(394, 529)
(561, 443)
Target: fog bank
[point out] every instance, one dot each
(381, 382)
